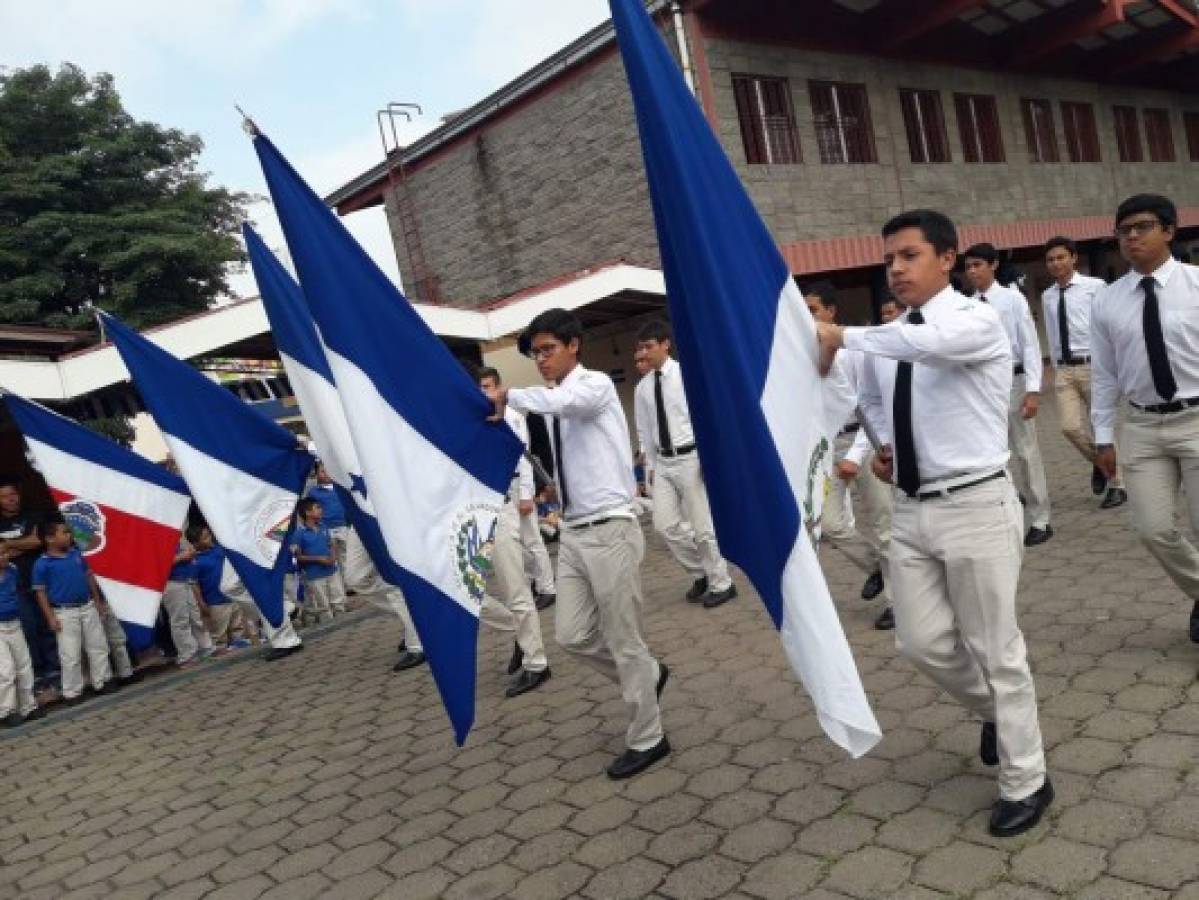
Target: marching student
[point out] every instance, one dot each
(936, 390)
(71, 602)
(1067, 304)
(17, 703)
(681, 512)
(324, 595)
(982, 263)
(1145, 341)
(333, 514)
(185, 608)
(223, 613)
(599, 613)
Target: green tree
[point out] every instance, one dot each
(97, 209)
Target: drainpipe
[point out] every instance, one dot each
(676, 13)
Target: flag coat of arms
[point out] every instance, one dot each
(747, 344)
(244, 471)
(125, 512)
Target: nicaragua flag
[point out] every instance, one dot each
(244, 471)
(125, 512)
(747, 343)
(436, 469)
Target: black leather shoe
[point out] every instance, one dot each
(134, 678)
(988, 745)
(886, 621)
(697, 590)
(1115, 497)
(276, 653)
(518, 657)
(12, 720)
(544, 601)
(408, 660)
(873, 586)
(1195, 622)
(663, 677)
(1098, 481)
(39, 713)
(716, 599)
(109, 687)
(1012, 817)
(527, 681)
(403, 647)
(632, 762)
(1038, 535)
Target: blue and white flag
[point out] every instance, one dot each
(747, 343)
(436, 469)
(244, 471)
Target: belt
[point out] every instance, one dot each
(954, 488)
(1018, 370)
(592, 524)
(1163, 408)
(1075, 361)
(677, 451)
(75, 605)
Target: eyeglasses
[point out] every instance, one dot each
(1139, 229)
(544, 351)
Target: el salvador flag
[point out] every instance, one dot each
(436, 469)
(748, 346)
(244, 471)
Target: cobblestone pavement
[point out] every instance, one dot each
(327, 775)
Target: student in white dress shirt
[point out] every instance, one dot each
(1067, 306)
(681, 512)
(936, 391)
(1145, 341)
(981, 263)
(599, 612)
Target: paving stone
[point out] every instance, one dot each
(555, 883)
(870, 872)
(1101, 822)
(712, 876)
(757, 840)
(785, 876)
(960, 868)
(686, 842)
(919, 831)
(836, 835)
(311, 885)
(1156, 860)
(630, 880)
(1116, 889)
(613, 847)
(1058, 864)
(485, 884)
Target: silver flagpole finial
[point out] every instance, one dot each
(247, 124)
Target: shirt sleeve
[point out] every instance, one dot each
(38, 579)
(859, 449)
(1031, 345)
(581, 398)
(955, 340)
(83, 563)
(1050, 315)
(870, 402)
(645, 434)
(524, 468)
(1105, 383)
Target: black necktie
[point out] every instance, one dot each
(1155, 343)
(982, 297)
(559, 469)
(907, 467)
(664, 443)
(1063, 324)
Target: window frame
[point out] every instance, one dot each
(1127, 126)
(1159, 134)
(864, 147)
(1041, 136)
(982, 153)
(1190, 128)
(925, 127)
(1082, 131)
(769, 141)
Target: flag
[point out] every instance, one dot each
(244, 471)
(125, 512)
(748, 348)
(436, 469)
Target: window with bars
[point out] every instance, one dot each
(1128, 134)
(1082, 137)
(1190, 124)
(924, 121)
(1158, 135)
(841, 115)
(1038, 130)
(978, 124)
(767, 120)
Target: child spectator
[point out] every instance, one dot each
(118, 646)
(70, 602)
(324, 594)
(185, 608)
(17, 703)
(248, 615)
(223, 613)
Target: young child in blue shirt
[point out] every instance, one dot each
(70, 600)
(324, 594)
(223, 614)
(17, 703)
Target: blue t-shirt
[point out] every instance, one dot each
(9, 577)
(315, 542)
(209, 566)
(63, 578)
(183, 571)
(330, 501)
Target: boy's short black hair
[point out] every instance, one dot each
(562, 324)
(194, 531)
(655, 330)
(10, 481)
(1062, 241)
(824, 290)
(1161, 207)
(48, 526)
(488, 372)
(984, 251)
(306, 504)
(938, 229)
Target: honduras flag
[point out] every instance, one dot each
(124, 511)
(436, 469)
(244, 471)
(748, 346)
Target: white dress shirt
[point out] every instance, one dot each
(524, 469)
(961, 384)
(645, 411)
(1080, 295)
(1120, 362)
(842, 389)
(595, 453)
(1021, 331)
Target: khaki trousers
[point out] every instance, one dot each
(16, 671)
(515, 609)
(864, 538)
(954, 566)
(323, 597)
(536, 557)
(223, 620)
(81, 633)
(183, 613)
(1160, 454)
(118, 643)
(1072, 387)
(361, 576)
(1028, 472)
(681, 499)
(599, 617)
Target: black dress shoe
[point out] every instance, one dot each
(12, 720)
(632, 762)
(988, 745)
(1012, 817)
(886, 621)
(527, 681)
(1098, 481)
(518, 657)
(1115, 497)
(1038, 535)
(664, 676)
(716, 599)
(1195, 622)
(133, 678)
(408, 660)
(39, 713)
(403, 647)
(109, 687)
(697, 590)
(873, 586)
(544, 601)
(276, 653)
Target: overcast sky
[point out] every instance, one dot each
(310, 72)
